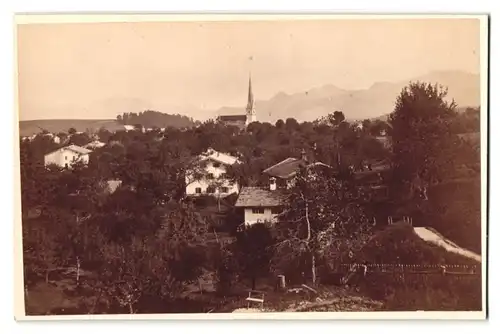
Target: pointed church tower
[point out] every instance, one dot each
(250, 111)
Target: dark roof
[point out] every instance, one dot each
(289, 167)
(233, 118)
(285, 168)
(380, 168)
(259, 197)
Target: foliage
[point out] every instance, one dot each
(421, 135)
(155, 119)
(147, 241)
(324, 220)
(254, 252)
(225, 270)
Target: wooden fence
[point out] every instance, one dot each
(408, 271)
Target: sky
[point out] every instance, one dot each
(97, 70)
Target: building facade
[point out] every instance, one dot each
(208, 175)
(260, 205)
(65, 157)
(264, 205)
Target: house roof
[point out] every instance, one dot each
(95, 143)
(285, 168)
(259, 197)
(223, 158)
(77, 149)
(233, 118)
(289, 167)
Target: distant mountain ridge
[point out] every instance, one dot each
(374, 102)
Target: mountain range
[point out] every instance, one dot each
(374, 102)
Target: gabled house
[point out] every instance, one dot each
(67, 156)
(263, 205)
(281, 175)
(208, 175)
(260, 205)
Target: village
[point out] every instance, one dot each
(291, 216)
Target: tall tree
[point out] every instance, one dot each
(254, 252)
(421, 136)
(322, 218)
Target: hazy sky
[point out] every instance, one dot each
(96, 70)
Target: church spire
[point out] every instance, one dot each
(250, 93)
(251, 116)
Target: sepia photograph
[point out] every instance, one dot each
(251, 166)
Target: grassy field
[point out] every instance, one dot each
(28, 128)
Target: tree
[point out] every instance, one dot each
(291, 124)
(421, 136)
(323, 218)
(104, 135)
(254, 252)
(280, 124)
(71, 131)
(80, 139)
(336, 118)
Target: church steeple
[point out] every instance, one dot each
(250, 111)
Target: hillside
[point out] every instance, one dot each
(403, 245)
(27, 128)
(376, 101)
(418, 284)
(147, 119)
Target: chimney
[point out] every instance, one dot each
(272, 183)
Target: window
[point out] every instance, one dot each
(198, 190)
(65, 157)
(258, 211)
(223, 176)
(210, 176)
(275, 211)
(216, 164)
(210, 190)
(224, 189)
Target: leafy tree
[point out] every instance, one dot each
(104, 135)
(421, 136)
(226, 268)
(71, 131)
(291, 123)
(323, 218)
(80, 139)
(254, 251)
(336, 118)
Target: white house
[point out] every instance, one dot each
(66, 156)
(208, 175)
(260, 205)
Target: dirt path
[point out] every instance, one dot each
(433, 237)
